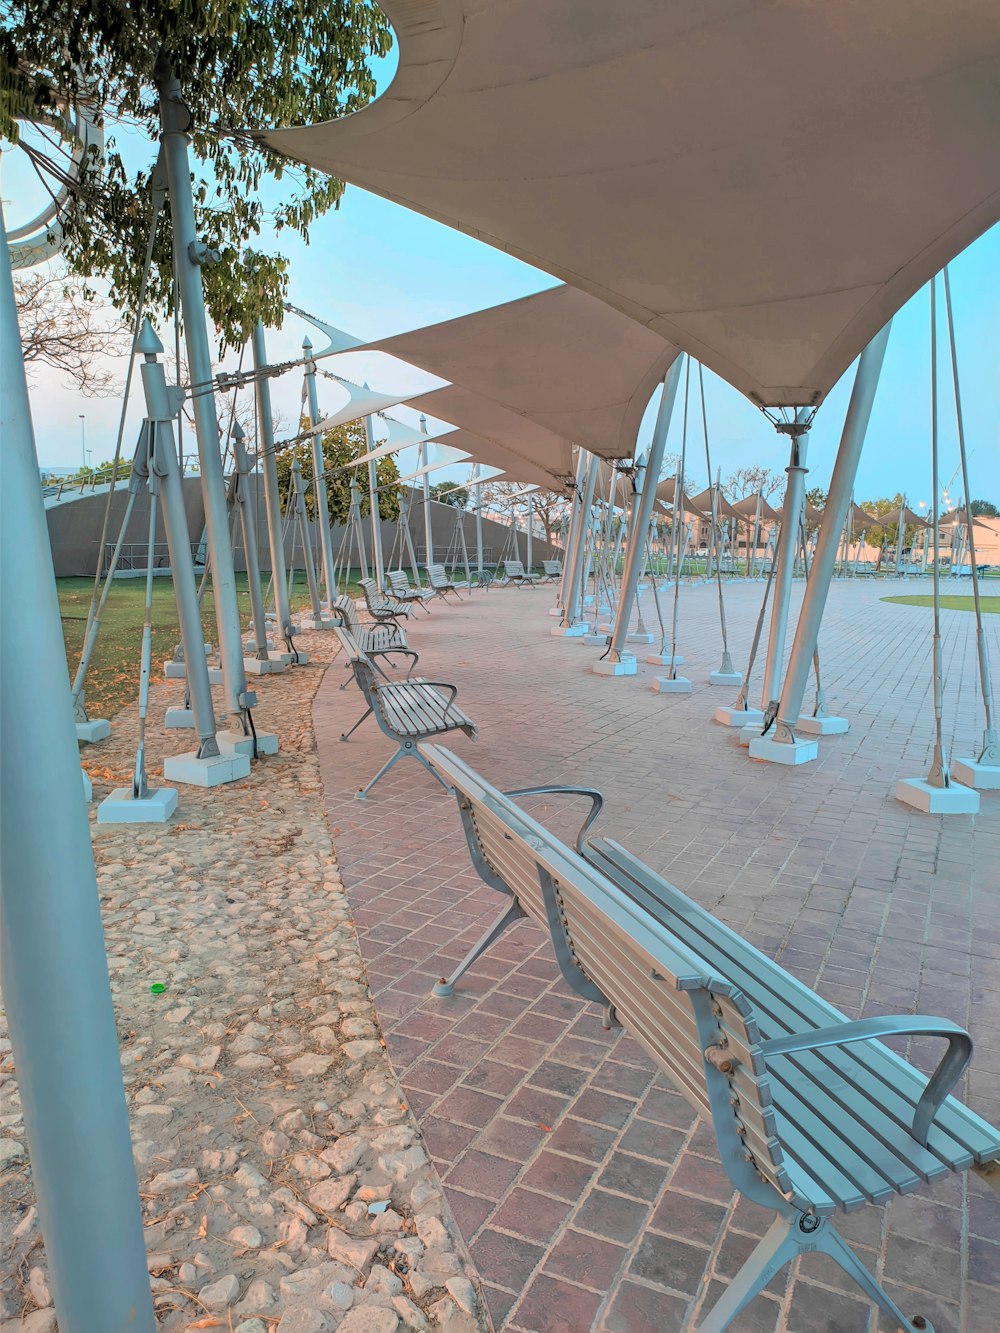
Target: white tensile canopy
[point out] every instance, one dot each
(763, 184)
(561, 358)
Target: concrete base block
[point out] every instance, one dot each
(303, 658)
(604, 609)
(234, 742)
(641, 638)
(97, 729)
(256, 666)
(250, 645)
(194, 772)
(953, 800)
(175, 670)
(628, 666)
(750, 733)
(308, 623)
(555, 611)
(774, 752)
(823, 726)
(569, 631)
(88, 786)
(596, 640)
(121, 808)
(664, 659)
(984, 777)
(671, 685)
(725, 678)
(215, 676)
(740, 717)
(589, 599)
(181, 718)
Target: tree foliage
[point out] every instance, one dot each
(546, 506)
(816, 496)
(340, 446)
(983, 509)
(66, 326)
(746, 481)
(243, 67)
(448, 493)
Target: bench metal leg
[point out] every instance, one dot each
(362, 794)
(366, 713)
(787, 1238)
(507, 918)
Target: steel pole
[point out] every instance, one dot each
(422, 461)
(272, 490)
(642, 507)
(838, 503)
(55, 976)
(321, 497)
(189, 256)
(571, 606)
(248, 526)
(161, 413)
(378, 557)
(479, 524)
(573, 528)
(529, 544)
(785, 566)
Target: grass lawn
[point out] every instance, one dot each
(950, 602)
(113, 678)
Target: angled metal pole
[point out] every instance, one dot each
(302, 520)
(646, 483)
(529, 547)
(272, 491)
(378, 557)
(785, 567)
(55, 974)
(571, 601)
(422, 461)
(573, 529)
(835, 514)
(189, 257)
(248, 525)
(321, 498)
(479, 523)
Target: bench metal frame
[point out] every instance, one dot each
(515, 573)
(400, 584)
(803, 1133)
(381, 607)
(441, 585)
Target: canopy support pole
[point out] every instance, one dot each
(821, 568)
(572, 529)
(614, 664)
(786, 552)
(423, 460)
(314, 620)
(321, 496)
(272, 494)
(574, 573)
(529, 554)
(479, 523)
(378, 557)
(190, 255)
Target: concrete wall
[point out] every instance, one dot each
(75, 530)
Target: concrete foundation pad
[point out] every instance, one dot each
(555, 611)
(175, 670)
(640, 638)
(750, 733)
(303, 658)
(88, 786)
(970, 773)
(664, 659)
(774, 752)
(740, 717)
(214, 772)
(250, 645)
(725, 678)
(121, 808)
(234, 742)
(589, 599)
(953, 800)
(823, 726)
(309, 623)
(569, 631)
(628, 666)
(257, 666)
(596, 640)
(96, 729)
(181, 718)
(671, 685)
(215, 676)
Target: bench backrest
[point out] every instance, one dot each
(438, 576)
(373, 594)
(674, 1004)
(514, 569)
(398, 581)
(376, 637)
(552, 566)
(344, 607)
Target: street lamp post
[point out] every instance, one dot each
(83, 441)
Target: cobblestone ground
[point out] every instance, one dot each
(589, 1194)
(284, 1183)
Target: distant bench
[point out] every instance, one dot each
(812, 1114)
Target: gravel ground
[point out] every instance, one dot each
(284, 1181)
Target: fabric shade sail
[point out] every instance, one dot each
(539, 450)
(561, 358)
(443, 456)
(747, 509)
(763, 184)
(958, 518)
(703, 503)
(903, 514)
(860, 519)
(361, 402)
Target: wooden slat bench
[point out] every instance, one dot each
(441, 584)
(407, 711)
(812, 1114)
(401, 589)
(514, 572)
(379, 605)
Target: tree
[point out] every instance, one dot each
(65, 325)
(340, 446)
(547, 507)
(448, 493)
(248, 66)
(886, 535)
(816, 496)
(749, 480)
(983, 509)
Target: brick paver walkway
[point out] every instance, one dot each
(590, 1195)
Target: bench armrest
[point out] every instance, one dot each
(404, 652)
(953, 1063)
(596, 798)
(439, 685)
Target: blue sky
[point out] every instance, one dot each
(374, 268)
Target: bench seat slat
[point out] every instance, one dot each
(846, 1073)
